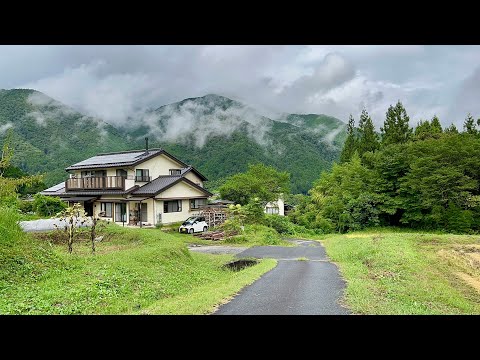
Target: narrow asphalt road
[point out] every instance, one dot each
(310, 286)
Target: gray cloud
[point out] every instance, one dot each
(467, 99)
(117, 82)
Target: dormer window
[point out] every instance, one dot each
(175, 172)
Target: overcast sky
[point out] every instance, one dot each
(114, 82)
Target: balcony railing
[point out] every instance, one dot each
(96, 183)
(143, 178)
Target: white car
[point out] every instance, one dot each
(193, 224)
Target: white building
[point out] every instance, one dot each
(134, 187)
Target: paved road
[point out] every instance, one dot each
(293, 287)
(216, 249)
(47, 224)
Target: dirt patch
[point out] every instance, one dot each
(470, 280)
(386, 274)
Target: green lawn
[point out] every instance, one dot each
(135, 271)
(408, 273)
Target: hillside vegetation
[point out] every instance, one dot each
(217, 135)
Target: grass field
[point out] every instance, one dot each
(135, 271)
(408, 273)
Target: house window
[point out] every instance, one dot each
(94, 173)
(142, 175)
(272, 210)
(196, 203)
(106, 209)
(122, 173)
(172, 206)
(175, 172)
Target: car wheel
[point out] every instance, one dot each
(205, 229)
(190, 231)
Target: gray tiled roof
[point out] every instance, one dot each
(157, 185)
(126, 158)
(55, 189)
(59, 189)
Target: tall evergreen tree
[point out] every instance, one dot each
(469, 125)
(452, 129)
(435, 126)
(368, 137)
(426, 129)
(350, 144)
(395, 129)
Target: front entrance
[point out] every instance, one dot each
(88, 206)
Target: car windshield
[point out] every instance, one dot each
(189, 221)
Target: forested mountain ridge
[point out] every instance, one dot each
(219, 136)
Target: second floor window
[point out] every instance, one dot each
(142, 175)
(175, 171)
(94, 173)
(121, 172)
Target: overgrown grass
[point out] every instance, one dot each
(258, 235)
(405, 272)
(134, 271)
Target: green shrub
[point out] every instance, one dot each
(48, 205)
(26, 206)
(158, 225)
(280, 223)
(271, 238)
(238, 239)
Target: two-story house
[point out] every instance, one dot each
(134, 187)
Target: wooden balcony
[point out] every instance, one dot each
(95, 183)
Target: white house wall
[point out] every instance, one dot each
(194, 178)
(173, 217)
(277, 204)
(159, 165)
(181, 190)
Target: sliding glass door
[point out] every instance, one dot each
(120, 212)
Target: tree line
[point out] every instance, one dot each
(425, 177)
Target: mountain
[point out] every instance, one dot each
(221, 136)
(218, 135)
(49, 136)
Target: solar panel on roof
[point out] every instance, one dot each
(113, 158)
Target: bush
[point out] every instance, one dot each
(158, 225)
(26, 206)
(281, 224)
(48, 205)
